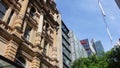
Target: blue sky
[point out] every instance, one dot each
(85, 19)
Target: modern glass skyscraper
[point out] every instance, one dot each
(99, 48)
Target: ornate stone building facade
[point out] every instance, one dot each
(29, 32)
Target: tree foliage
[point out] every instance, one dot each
(110, 59)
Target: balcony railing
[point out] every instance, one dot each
(66, 61)
(65, 36)
(67, 53)
(66, 44)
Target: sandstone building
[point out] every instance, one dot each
(29, 33)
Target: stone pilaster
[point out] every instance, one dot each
(40, 23)
(39, 44)
(42, 42)
(38, 38)
(39, 31)
(13, 19)
(35, 63)
(50, 51)
(10, 51)
(54, 48)
(47, 53)
(21, 14)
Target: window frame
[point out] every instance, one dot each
(3, 9)
(27, 33)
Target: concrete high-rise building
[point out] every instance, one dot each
(88, 46)
(28, 33)
(118, 3)
(66, 47)
(78, 51)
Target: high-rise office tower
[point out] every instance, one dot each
(88, 46)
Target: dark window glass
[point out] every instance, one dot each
(27, 32)
(3, 9)
(32, 11)
(45, 48)
(21, 61)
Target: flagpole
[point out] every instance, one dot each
(105, 22)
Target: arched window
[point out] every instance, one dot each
(32, 11)
(47, 26)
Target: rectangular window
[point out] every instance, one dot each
(3, 9)
(27, 32)
(32, 11)
(45, 48)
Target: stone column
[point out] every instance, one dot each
(40, 23)
(49, 30)
(50, 50)
(31, 39)
(13, 19)
(35, 63)
(39, 31)
(54, 48)
(7, 14)
(47, 52)
(42, 42)
(21, 14)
